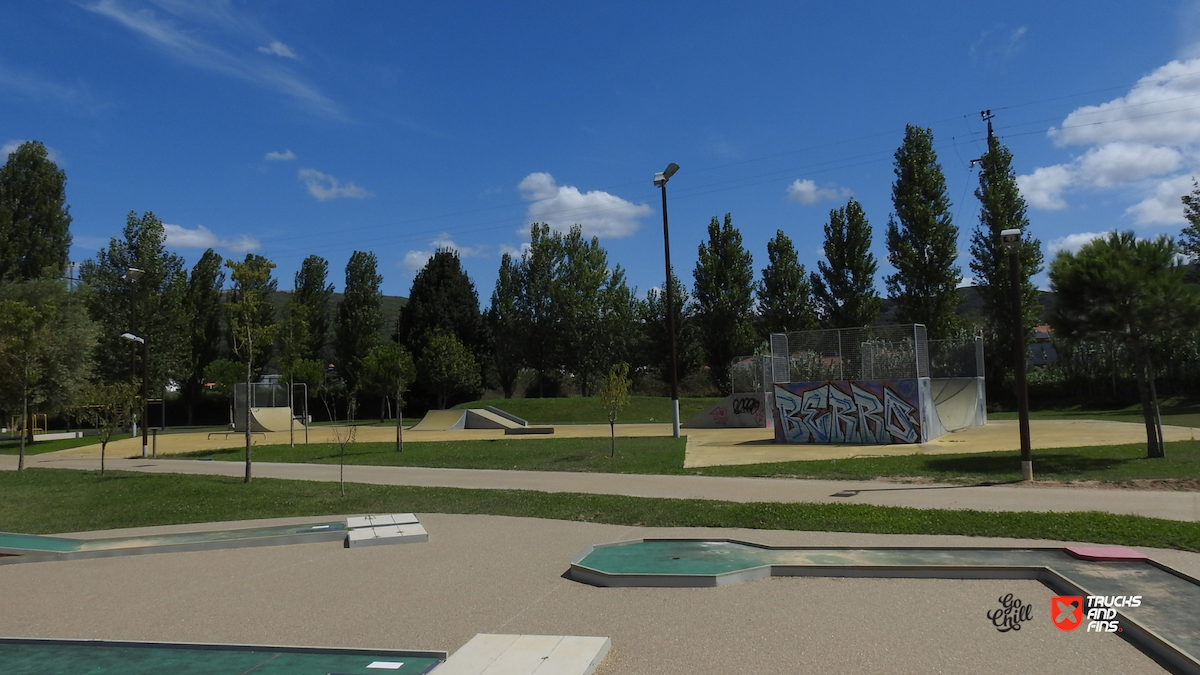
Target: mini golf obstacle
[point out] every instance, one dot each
(1165, 623)
(486, 417)
(400, 528)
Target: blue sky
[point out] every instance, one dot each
(304, 127)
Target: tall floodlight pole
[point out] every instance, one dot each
(1011, 240)
(131, 275)
(145, 378)
(660, 180)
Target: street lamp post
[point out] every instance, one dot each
(145, 377)
(660, 180)
(1011, 240)
(131, 275)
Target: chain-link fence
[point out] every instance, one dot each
(869, 353)
(956, 357)
(262, 395)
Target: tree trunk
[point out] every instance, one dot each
(25, 417)
(103, 447)
(399, 423)
(1153, 449)
(1158, 432)
(249, 358)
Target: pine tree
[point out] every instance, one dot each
(35, 221)
(442, 298)
(922, 240)
(1002, 208)
(784, 292)
(724, 287)
(844, 291)
(203, 307)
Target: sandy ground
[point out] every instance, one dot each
(491, 574)
(705, 447)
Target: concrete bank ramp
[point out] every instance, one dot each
(471, 418)
(734, 411)
(960, 402)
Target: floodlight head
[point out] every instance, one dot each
(1010, 239)
(133, 338)
(661, 178)
(133, 274)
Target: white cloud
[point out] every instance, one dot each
(33, 87)
(285, 156)
(183, 43)
(11, 146)
(808, 192)
(178, 236)
(278, 49)
(1160, 109)
(325, 187)
(1164, 206)
(1122, 162)
(515, 251)
(599, 213)
(966, 282)
(1072, 242)
(414, 261)
(999, 45)
(1043, 188)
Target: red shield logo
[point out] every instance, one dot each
(1067, 611)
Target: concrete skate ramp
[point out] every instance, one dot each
(480, 418)
(267, 419)
(734, 411)
(442, 420)
(960, 402)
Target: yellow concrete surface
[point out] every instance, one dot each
(705, 447)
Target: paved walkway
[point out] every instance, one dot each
(1173, 505)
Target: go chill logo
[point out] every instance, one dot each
(1100, 611)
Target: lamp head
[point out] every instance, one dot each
(133, 338)
(1010, 239)
(661, 178)
(133, 274)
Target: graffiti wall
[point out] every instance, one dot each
(848, 411)
(735, 410)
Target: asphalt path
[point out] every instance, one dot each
(1169, 504)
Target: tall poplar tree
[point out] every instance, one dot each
(538, 269)
(724, 288)
(310, 303)
(202, 302)
(784, 293)
(506, 339)
(922, 240)
(359, 317)
(844, 291)
(1003, 208)
(35, 221)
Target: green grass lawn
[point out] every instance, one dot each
(14, 447)
(665, 455)
(44, 501)
(588, 410)
(1173, 411)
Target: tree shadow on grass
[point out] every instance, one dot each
(1003, 465)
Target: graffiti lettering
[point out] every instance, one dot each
(749, 405)
(848, 412)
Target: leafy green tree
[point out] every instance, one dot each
(310, 303)
(506, 337)
(784, 293)
(922, 240)
(35, 222)
(250, 326)
(448, 366)
(614, 395)
(203, 312)
(1003, 208)
(257, 280)
(656, 340)
(1132, 291)
(442, 298)
(724, 287)
(388, 370)
(538, 271)
(46, 344)
(152, 307)
(359, 317)
(108, 407)
(226, 374)
(844, 291)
